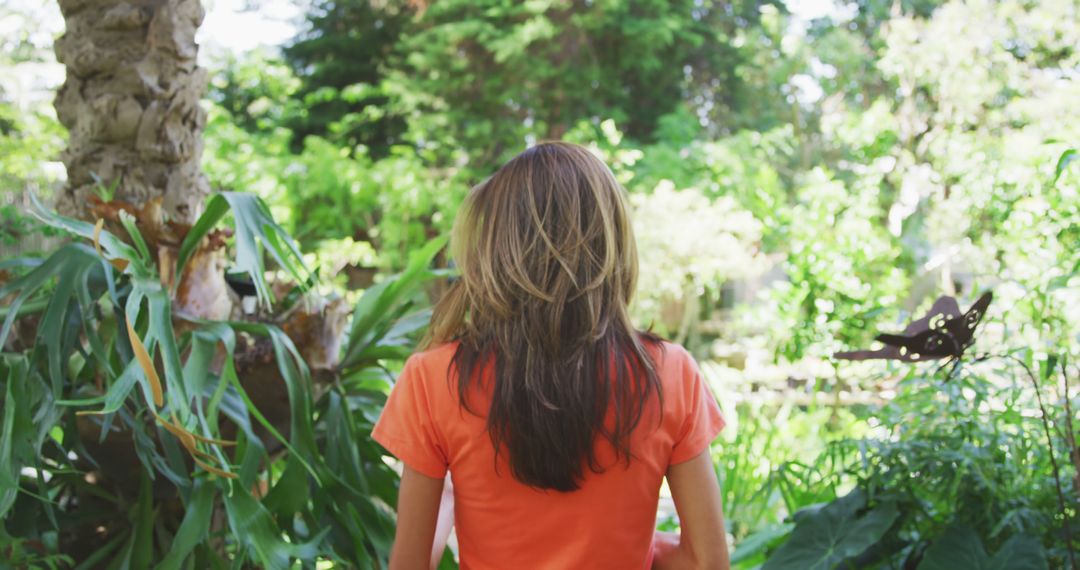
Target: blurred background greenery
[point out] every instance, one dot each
(804, 174)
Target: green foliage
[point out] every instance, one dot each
(483, 76)
(775, 459)
(394, 203)
(325, 497)
(842, 271)
(379, 328)
(947, 453)
(327, 192)
(341, 59)
(967, 450)
(827, 536)
(23, 553)
(678, 243)
(259, 91)
(960, 547)
(16, 228)
(27, 135)
(395, 113)
(486, 76)
(30, 136)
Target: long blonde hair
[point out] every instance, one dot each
(548, 265)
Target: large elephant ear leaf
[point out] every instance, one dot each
(756, 544)
(255, 232)
(957, 547)
(960, 547)
(1021, 552)
(840, 530)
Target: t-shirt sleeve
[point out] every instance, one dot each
(702, 419)
(407, 427)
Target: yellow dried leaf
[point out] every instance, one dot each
(147, 364)
(223, 442)
(167, 266)
(187, 439)
(119, 264)
(182, 434)
(214, 470)
(97, 235)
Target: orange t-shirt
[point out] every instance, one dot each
(503, 524)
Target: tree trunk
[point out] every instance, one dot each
(131, 104)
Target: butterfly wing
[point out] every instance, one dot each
(963, 328)
(897, 340)
(944, 308)
(927, 345)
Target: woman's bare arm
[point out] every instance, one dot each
(445, 524)
(418, 514)
(701, 543)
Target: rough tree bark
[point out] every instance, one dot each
(131, 104)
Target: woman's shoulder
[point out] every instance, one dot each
(677, 369)
(668, 354)
(433, 357)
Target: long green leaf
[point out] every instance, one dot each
(255, 229)
(17, 371)
(112, 245)
(297, 383)
(1068, 157)
(143, 535)
(380, 300)
(67, 259)
(252, 524)
(162, 330)
(215, 210)
(100, 554)
(195, 526)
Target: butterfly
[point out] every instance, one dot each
(944, 332)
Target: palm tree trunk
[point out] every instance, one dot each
(131, 104)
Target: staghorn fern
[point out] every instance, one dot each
(137, 478)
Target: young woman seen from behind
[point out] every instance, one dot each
(556, 419)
